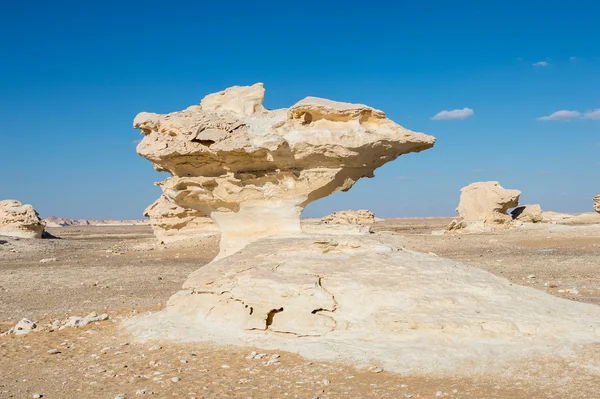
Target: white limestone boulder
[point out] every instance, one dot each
(19, 220)
(484, 205)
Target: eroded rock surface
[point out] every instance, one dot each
(597, 203)
(253, 170)
(19, 220)
(361, 217)
(528, 213)
(483, 205)
(365, 299)
(171, 223)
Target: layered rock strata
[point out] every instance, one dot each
(171, 223)
(19, 220)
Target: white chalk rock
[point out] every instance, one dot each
(253, 170)
(366, 300)
(483, 206)
(528, 213)
(19, 220)
(171, 223)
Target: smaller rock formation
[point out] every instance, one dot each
(171, 222)
(597, 203)
(528, 213)
(483, 205)
(19, 220)
(361, 217)
(26, 326)
(342, 222)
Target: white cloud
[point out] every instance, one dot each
(595, 114)
(561, 115)
(541, 64)
(454, 114)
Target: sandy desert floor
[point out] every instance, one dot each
(122, 271)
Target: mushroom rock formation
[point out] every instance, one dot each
(19, 220)
(360, 298)
(171, 223)
(528, 213)
(253, 170)
(597, 203)
(484, 205)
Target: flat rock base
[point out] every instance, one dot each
(367, 300)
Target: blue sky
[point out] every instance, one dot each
(73, 75)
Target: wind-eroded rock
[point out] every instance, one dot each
(253, 170)
(484, 205)
(171, 223)
(19, 220)
(597, 203)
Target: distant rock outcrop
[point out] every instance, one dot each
(53, 221)
(253, 170)
(597, 203)
(528, 213)
(361, 217)
(483, 205)
(170, 222)
(19, 220)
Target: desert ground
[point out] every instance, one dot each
(122, 271)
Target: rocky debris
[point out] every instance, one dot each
(25, 326)
(53, 221)
(48, 260)
(597, 203)
(528, 213)
(170, 222)
(362, 217)
(253, 170)
(367, 300)
(19, 220)
(483, 206)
